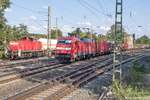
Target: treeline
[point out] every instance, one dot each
(109, 35)
(83, 34)
(54, 34)
(143, 40)
(7, 32)
(13, 33)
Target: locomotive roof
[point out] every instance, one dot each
(76, 38)
(27, 37)
(70, 38)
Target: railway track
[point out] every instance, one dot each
(11, 76)
(5, 78)
(77, 66)
(24, 68)
(57, 88)
(5, 64)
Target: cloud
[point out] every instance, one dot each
(45, 26)
(33, 17)
(105, 28)
(8, 10)
(88, 23)
(45, 7)
(85, 24)
(32, 24)
(66, 29)
(33, 28)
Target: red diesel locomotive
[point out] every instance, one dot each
(25, 47)
(69, 49)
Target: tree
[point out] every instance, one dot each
(76, 32)
(4, 4)
(53, 34)
(19, 31)
(111, 32)
(11, 33)
(38, 36)
(102, 37)
(22, 29)
(143, 40)
(79, 33)
(7, 32)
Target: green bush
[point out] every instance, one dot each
(2, 55)
(132, 90)
(137, 71)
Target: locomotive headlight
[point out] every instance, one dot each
(68, 48)
(58, 48)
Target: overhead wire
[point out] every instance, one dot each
(100, 5)
(95, 9)
(102, 8)
(40, 26)
(29, 9)
(87, 7)
(85, 2)
(38, 12)
(92, 9)
(33, 11)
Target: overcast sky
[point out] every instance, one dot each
(71, 13)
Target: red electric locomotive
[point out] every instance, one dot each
(69, 49)
(25, 47)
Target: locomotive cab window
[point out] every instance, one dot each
(64, 42)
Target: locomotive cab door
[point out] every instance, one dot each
(77, 50)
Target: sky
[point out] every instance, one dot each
(98, 15)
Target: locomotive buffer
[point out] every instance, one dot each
(118, 37)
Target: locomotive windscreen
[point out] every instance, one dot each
(64, 42)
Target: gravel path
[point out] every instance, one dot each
(91, 90)
(14, 87)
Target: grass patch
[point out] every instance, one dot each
(136, 74)
(2, 55)
(130, 92)
(134, 88)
